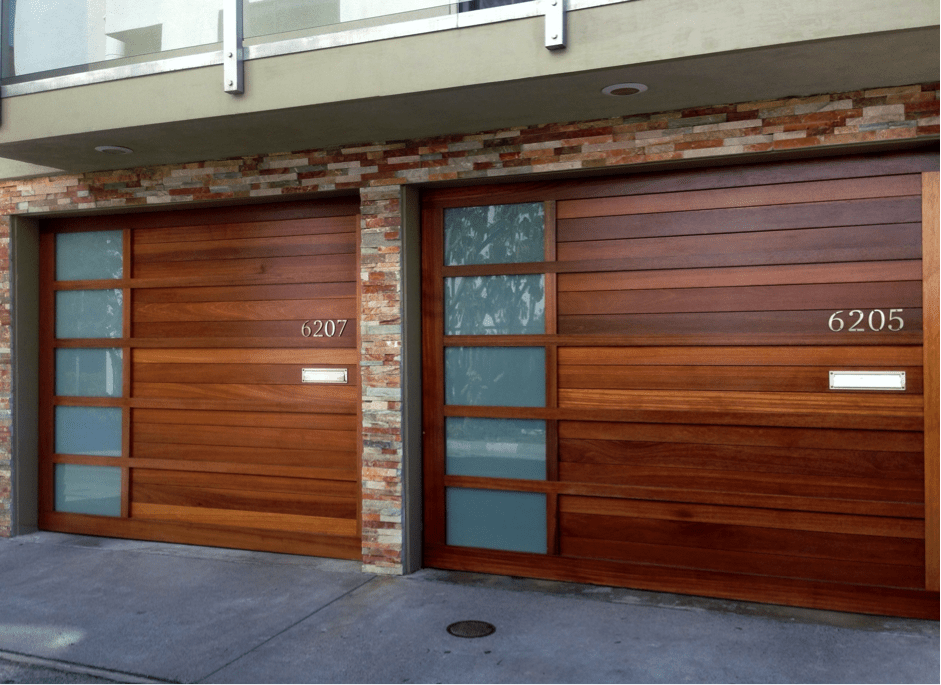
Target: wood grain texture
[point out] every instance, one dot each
(740, 586)
(743, 219)
(699, 447)
(932, 351)
(223, 443)
(857, 272)
(790, 193)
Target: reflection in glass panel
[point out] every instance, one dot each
(88, 430)
(498, 234)
(68, 33)
(495, 448)
(89, 313)
(513, 521)
(495, 305)
(495, 376)
(82, 489)
(88, 373)
(83, 256)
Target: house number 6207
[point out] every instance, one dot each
(323, 328)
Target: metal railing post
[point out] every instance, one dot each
(555, 23)
(233, 71)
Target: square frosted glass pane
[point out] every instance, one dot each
(82, 256)
(89, 313)
(495, 234)
(495, 305)
(495, 448)
(82, 489)
(88, 373)
(495, 376)
(492, 519)
(88, 430)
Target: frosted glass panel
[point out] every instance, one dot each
(495, 448)
(498, 234)
(81, 256)
(513, 521)
(89, 313)
(495, 305)
(88, 373)
(82, 489)
(495, 376)
(88, 430)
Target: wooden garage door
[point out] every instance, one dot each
(174, 401)
(628, 382)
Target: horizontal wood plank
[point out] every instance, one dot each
(344, 308)
(334, 464)
(244, 436)
(298, 504)
(772, 565)
(765, 518)
(246, 248)
(246, 418)
(245, 230)
(812, 438)
(789, 193)
(807, 327)
(884, 355)
(886, 297)
(852, 461)
(245, 482)
(243, 519)
(859, 212)
(266, 374)
(745, 249)
(714, 378)
(851, 272)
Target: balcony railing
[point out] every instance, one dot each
(48, 45)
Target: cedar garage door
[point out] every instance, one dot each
(173, 352)
(628, 382)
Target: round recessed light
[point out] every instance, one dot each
(624, 89)
(113, 150)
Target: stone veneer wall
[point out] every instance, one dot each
(377, 171)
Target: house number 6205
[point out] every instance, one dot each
(856, 321)
(323, 328)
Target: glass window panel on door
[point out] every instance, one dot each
(489, 291)
(87, 380)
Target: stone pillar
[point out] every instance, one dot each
(380, 367)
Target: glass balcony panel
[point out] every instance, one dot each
(495, 448)
(495, 376)
(82, 489)
(66, 34)
(495, 305)
(495, 234)
(492, 519)
(94, 255)
(88, 373)
(93, 431)
(89, 313)
(284, 19)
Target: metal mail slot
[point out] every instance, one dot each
(323, 376)
(867, 380)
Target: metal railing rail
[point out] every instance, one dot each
(233, 53)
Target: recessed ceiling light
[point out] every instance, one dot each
(624, 89)
(114, 150)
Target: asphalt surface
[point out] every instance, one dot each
(93, 610)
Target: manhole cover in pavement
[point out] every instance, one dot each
(471, 629)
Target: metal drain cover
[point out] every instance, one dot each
(471, 629)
